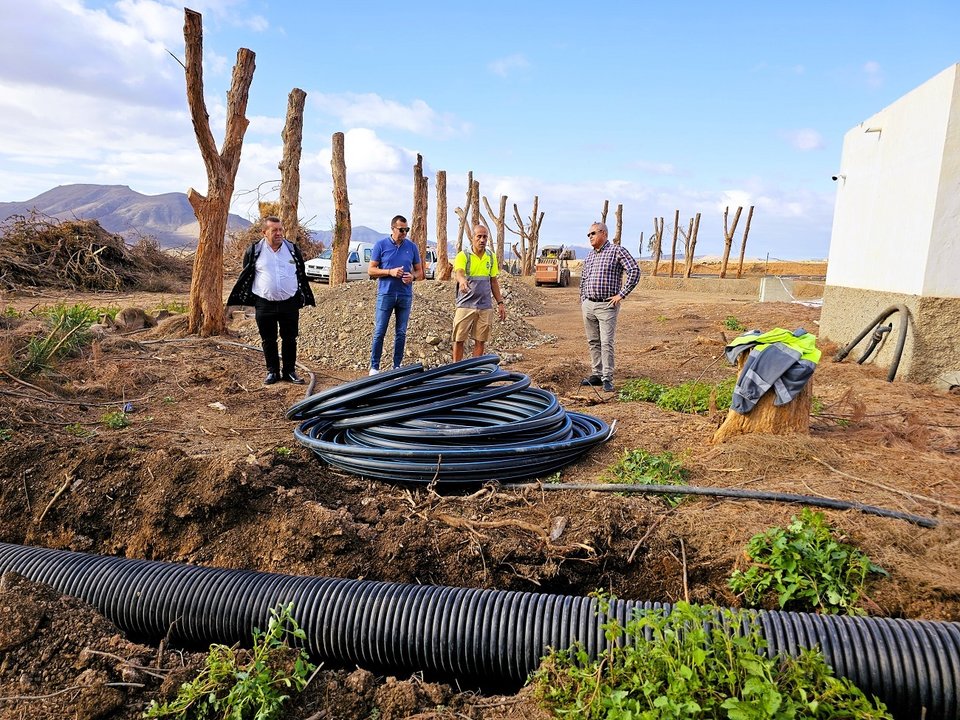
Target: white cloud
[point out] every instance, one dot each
(373, 111)
(804, 139)
(506, 65)
(873, 74)
(654, 168)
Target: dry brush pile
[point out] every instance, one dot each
(42, 252)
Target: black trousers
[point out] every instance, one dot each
(279, 317)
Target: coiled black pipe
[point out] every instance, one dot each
(739, 493)
(911, 665)
(456, 425)
(901, 338)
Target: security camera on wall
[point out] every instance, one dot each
(838, 176)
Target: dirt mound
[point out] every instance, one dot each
(37, 252)
(337, 332)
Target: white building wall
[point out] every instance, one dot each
(897, 215)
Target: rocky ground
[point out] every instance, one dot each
(208, 472)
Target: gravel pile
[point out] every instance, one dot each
(337, 332)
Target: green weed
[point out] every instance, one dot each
(175, 307)
(240, 684)
(638, 467)
(78, 430)
(816, 406)
(694, 397)
(68, 332)
(806, 566)
(116, 420)
(168, 400)
(642, 390)
(731, 322)
(662, 319)
(5, 434)
(283, 451)
(687, 664)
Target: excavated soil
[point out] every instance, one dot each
(209, 473)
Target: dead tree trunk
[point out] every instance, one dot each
(767, 417)
(743, 244)
(206, 286)
(529, 237)
(499, 220)
(603, 214)
(341, 206)
(462, 212)
(290, 164)
(691, 243)
(656, 243)
(418, 225)
(728, 234)
(673, 249)
(475, 206)
(444, 268)
(618, 235)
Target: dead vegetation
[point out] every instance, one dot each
(41, 252)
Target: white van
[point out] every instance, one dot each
(358, 259)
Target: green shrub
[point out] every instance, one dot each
(68, 331)
(638, 467)
(5, 434)
(694, 397)
(686, 664)
(642, 390)
(805, 566)
(731, 322)
(116, 420)
(240, 684)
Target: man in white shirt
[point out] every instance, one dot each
(274, 281)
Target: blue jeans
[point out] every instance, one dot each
(387, 305)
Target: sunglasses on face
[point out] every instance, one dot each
(402, 230)
(592, 233)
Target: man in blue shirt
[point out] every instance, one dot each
(602, 289)
(395, 263)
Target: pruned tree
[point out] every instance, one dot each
(444, 268)
(475, 206)
(462, 212)
(603, 213)
(656, 243)
(292, 136)
(342, 227)
(673, 248)
(743, 243)
(499, 221)
(690, 244)
(619, 234)
(529, 234)
(418, 223)
(206, 287)
(728, 233)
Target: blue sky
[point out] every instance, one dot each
(689, 106)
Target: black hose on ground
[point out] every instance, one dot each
(911, 665)
(741, 493)
(901, 338)
(458, 424)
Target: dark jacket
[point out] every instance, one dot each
(242, 293)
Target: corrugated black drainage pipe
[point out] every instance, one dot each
(912, 665)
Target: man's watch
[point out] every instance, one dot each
(500, 302)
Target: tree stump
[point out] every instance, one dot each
(767, 417)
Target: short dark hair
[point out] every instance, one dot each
(401, 218)
(270, 218)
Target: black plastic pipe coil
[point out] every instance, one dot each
(911, 665)
(463, 423)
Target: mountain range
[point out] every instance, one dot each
(168, 217)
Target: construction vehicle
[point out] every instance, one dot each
(553, 267)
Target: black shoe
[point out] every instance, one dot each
(271, 378)
(592, 381)
(291, 377)
(608, 385)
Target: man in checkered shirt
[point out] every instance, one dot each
(602, 289)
